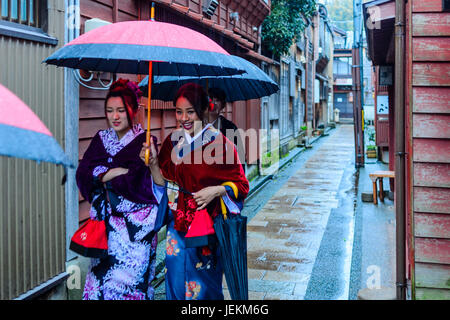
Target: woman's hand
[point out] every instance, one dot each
(153, 163)
(153, 158)
(114, 172)
(206, 195)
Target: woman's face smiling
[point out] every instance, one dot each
(186, 115)
(117, 116)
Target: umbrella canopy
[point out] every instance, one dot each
(253, 84)
(23, 135)
(127, 47)
(146, 47)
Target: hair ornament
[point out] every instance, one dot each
(211, 104)
(122, 84)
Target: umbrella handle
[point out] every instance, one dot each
(222, 203)
(149, 101)
(152, 12)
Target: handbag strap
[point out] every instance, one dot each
(107, 197)
(113, 210)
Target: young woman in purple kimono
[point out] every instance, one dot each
(129, 207)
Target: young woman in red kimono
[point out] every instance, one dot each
(199, 159)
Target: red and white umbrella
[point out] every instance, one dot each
(24, 135)
(146, 47)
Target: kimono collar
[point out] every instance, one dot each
(111, 141)
(217, 123)
(190, 139)
(186, 143)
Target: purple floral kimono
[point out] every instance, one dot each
(128, 269)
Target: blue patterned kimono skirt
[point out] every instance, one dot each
(191, 275)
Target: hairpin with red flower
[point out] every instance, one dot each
(211, 104)
(121, 84)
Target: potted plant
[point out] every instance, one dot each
(371, 151)
(266, 160)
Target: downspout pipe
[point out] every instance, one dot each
(356, 76)
(361, 84)
(400, 148)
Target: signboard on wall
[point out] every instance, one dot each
(310, 88)
(382, 105)
(316, 91)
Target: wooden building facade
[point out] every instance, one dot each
(428, 143)
(32, 221)
(427, 137)
(323, 81)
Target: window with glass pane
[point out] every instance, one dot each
(4, 7)
(20, 11)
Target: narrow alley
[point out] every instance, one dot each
(285, 235)
(287, 221)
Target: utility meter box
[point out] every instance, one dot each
(336, 115)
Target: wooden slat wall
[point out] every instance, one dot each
(431, 148)
(431, 74)
(32, 220)
(431, 100)
(251, 13)
(427, 6)
(431, 24)
(434, 49)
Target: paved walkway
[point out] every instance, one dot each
(285, 235)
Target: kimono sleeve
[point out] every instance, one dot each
(137, 185)
(165, 159)
(90, 168)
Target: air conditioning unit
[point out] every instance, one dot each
(209, 6)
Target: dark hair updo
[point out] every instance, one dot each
(196, 96)
(129, 92)
(217, 93)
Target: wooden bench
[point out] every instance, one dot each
(379, 175)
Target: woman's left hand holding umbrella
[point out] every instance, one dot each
(152, 161)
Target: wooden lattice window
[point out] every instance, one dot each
(21, 11)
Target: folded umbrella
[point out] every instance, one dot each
(231, 231)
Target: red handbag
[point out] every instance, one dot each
(90, 240)
(201, 231)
